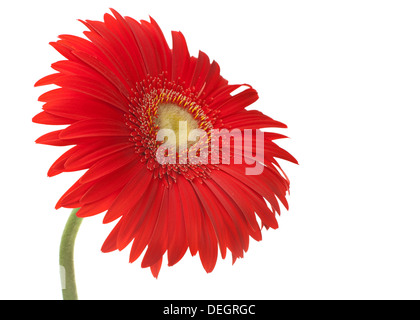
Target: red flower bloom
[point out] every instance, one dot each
(117, 88)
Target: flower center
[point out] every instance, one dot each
(157, 104)
(178, 120)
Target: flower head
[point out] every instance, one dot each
(170, 150)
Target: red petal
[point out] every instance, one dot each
(141, 221)
(240, 224)
(129, 195)
(50, 79)
(180, 55)
(232, 188)
(177, 240)
(149, 55)
(104, 71)
(208, 245)
(238, 102)
(58, 166)
(213, 80)
(73, 195)
(108, 165)
(273, 149)
(48, 118)
(162, 45)
(251, 119)
(81, 108)
(99, 50)
(64, 50)
(92, 151)
(60, 93)
(156, 268)
(110, 183)
(110, 243)
(158, 243)
(192, 213)
(254, 182)
(213, 214)
(100, 90)
(201, 69)
(111, 44)
(127, 38)
(274, 136)
(95, 128)
(91, 209)
(52, 138)
(261, 191)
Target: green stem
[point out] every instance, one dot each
(68, 281)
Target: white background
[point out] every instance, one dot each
(345, 77)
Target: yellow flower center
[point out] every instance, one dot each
(179, 120)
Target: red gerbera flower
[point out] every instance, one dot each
(117, 89)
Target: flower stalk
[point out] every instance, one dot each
(66, 259)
